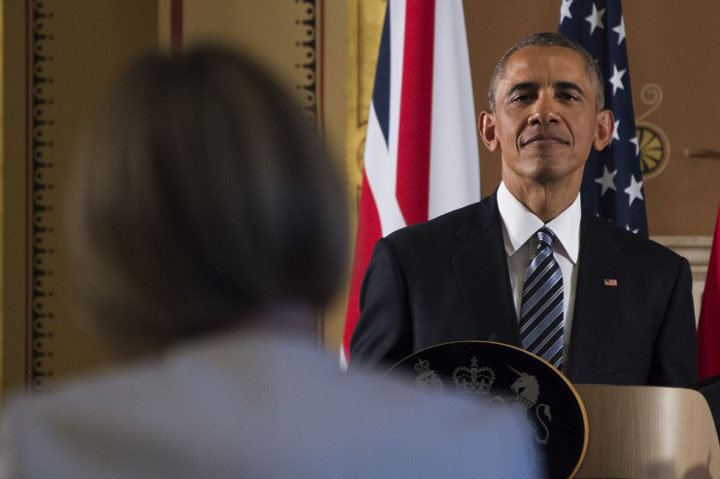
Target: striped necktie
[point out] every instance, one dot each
(541, 313)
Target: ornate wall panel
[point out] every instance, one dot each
(64, 56)
(283, 34)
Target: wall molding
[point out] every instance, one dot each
(695, 248)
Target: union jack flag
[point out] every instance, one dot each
(421, 152)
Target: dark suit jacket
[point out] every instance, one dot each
(447, 280)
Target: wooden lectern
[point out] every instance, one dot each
(648, 432)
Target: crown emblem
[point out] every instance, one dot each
(474, 380)
(427, 378)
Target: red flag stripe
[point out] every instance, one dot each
(413, 156)
(176, 26)
(369, 230)
(709, 323)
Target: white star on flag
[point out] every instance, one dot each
(616, 79)
(565, 10)
(595, 19)
(620, 30)
(634, 141)
(627, 227)
(634, 190)
(607, 180)
(616, 135)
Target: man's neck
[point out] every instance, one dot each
(546, 201)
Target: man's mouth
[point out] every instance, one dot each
(544, 138)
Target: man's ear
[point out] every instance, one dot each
(486, 128)
(604, 129)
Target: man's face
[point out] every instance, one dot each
(545, 118)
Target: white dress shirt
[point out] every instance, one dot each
(519, 226)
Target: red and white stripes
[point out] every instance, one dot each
(421, 155)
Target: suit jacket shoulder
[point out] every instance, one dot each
(444, 228)
(633, 318)
(626, 239)
(439, 281)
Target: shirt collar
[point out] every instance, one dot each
(521, 224)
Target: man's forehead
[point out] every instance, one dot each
(537, 64)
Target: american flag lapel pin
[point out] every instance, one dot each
(610, 282)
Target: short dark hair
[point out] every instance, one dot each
(201, 196)
(549, 39)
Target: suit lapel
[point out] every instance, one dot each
(481, 269)
(597, 296)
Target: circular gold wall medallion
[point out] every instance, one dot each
(654, 149)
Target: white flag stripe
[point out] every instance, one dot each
(397, 47)
(381, 172)
(454, 167)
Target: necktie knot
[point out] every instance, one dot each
(545, 237)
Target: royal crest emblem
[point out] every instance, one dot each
(475, 380)
(427, 378)
(509, 377)
(527, 390)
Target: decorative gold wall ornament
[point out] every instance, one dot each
(308, 80)
(653, 145)
(41, 261)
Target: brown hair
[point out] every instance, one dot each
(201, 196)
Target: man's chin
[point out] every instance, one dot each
(546, 173)
(545, 177)
(554, 174)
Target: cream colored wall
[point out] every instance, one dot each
(163, 17)
(334, 112)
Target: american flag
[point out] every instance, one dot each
(421, 151)
(612, 187)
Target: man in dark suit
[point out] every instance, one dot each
(525, 266)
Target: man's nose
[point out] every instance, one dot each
(544, 111)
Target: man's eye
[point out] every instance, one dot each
(568, 96)
(521, 98)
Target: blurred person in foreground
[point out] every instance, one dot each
(207, 230)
